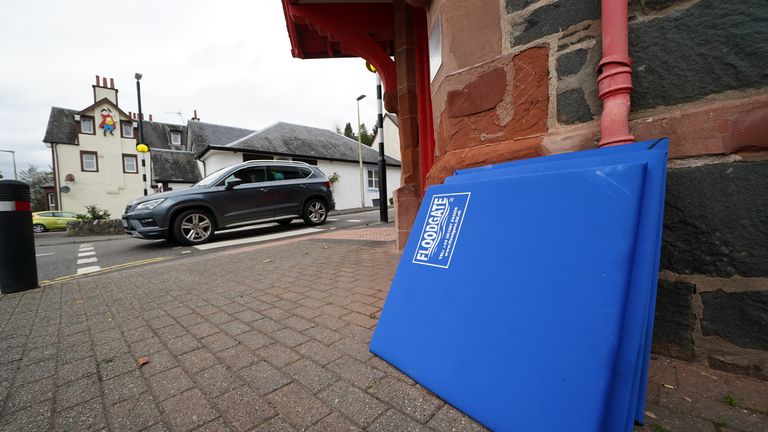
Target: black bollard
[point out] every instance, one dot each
(18, 266)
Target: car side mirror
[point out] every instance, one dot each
(232, 183)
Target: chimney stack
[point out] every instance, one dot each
(104, 82)
(111, 83)
(195, 118)
(150, 117)
(105, 89)
(97, 80)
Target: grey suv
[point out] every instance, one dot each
(245, 194)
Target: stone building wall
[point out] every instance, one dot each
(700, 71)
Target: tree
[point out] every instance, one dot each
(348, 132)
(365, 137)
(36, 179)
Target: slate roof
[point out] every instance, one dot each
(286, 139)
(62, 128)
(158, 135)
(208, 134)
(174, 166)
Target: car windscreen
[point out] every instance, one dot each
(210, 178)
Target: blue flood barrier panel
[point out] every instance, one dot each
(630, 376)
(524, 310)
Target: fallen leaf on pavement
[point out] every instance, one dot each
(142, 361)
(669, 386)
(267, 260)
(650, 414)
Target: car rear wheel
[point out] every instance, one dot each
(315, 212)
(193, 227)
(38, 228)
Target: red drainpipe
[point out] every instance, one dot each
(615, 81)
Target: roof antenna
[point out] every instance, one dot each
(178, 113)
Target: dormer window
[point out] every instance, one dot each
(127, 129)
(176, 138)
(86, 125)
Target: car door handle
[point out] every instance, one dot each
(264, 189)
(303, 186)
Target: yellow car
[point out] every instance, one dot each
(48, 220)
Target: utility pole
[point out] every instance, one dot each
(383, 208)
(141, 147)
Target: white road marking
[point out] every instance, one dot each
(85, 270)
(83, 254)
(45, 254)
(257, 239)
(85, 249)
(86, 245)
(249, 227)
(354, 220)
(187, 251)
(332, 220)
(86, 260)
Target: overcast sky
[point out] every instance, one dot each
(229, 60)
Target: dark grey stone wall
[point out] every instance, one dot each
(674, 322)
(741, 317)
(572, 107)
(716, 220)
(709, 48)
(553, 18)
(571, 63)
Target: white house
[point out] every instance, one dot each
(336, 155)
(94, 157)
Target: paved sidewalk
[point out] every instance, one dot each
(266, 339)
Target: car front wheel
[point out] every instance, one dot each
(38, 228)
(315, 212)
(193, 227)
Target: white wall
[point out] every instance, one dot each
(216, 160)
(391, 139)
(346, 191)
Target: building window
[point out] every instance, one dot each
(373, 178)
(130, 164)
(86, 125)
(89, 161)
(51, 201)
(127, 129)
(175, 138)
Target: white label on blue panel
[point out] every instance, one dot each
(441, 229)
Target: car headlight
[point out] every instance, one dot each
(149, 205)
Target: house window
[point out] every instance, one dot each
(127, 128)
(130, 164)
(86, 125)
(51, 201)
(89, 161)
(373, 178)
(175, 138)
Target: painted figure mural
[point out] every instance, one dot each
(107, 121)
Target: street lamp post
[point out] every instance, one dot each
(360, 152)
(383, 209)
(13, 155)
(143, 149)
